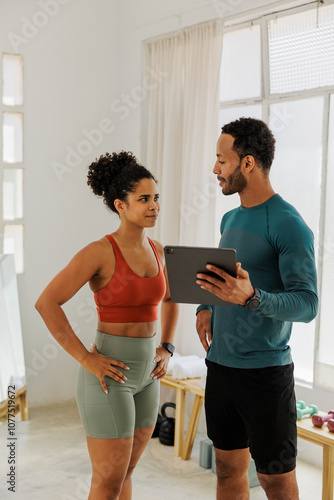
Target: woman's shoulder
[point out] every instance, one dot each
(97, 249)
(101, 253)
(99, 245)
(160, 249)
(158, 246)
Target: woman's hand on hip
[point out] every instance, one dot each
(162, 358)
(101, 367)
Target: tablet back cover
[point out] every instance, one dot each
(183, 263)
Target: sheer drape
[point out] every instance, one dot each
(182, 135)
(183, 130)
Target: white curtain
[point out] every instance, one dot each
(181, 146)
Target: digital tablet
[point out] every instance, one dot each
(184, 263)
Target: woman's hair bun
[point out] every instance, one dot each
(115, 175)
(103, 172)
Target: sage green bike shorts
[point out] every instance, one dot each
(126, 407)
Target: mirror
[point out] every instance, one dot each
(12, 367)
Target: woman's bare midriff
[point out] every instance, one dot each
(145, 329)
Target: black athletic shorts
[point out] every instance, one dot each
(253, 408)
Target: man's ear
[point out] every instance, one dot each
(249, 163)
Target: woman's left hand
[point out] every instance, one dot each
(162, 358)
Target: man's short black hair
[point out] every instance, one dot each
(252, 137)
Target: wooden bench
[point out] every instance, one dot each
(305, 429)
(192, 385)
(21, 405)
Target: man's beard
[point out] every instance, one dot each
(235, 183)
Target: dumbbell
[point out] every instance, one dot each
(311, 410)
(319, 420)
(330, 425)
(301, 405)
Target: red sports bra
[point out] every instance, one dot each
(128, 297)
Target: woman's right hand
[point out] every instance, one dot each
(101, 366)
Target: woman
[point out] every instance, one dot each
(117, 389)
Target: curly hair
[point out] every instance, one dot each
(115, 176)
(252, 137)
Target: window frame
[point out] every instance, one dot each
(15, 108)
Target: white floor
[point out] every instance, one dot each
(53, 464)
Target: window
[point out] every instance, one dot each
(11, 162)
(12, 94)
(292, 54)
(12, 134)
(298, 43)
(243, 46)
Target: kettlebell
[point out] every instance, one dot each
(157, 426)
(167, 426)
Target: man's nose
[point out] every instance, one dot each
(216, 169)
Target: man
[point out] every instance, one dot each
(250, 402)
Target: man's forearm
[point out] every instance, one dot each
(290, 306)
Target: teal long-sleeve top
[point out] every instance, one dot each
(275, 246)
